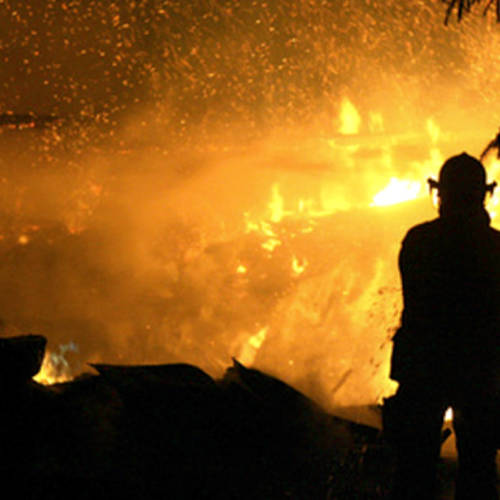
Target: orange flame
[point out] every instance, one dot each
(249, 350)
(55, 367)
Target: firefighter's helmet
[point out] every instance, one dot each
(462, 174)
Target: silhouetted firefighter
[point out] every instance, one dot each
(446, 352)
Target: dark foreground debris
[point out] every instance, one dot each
(171, 431)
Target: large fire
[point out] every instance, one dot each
(281, 251)
(218, 182)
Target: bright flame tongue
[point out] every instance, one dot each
(448, 417)
(397, 191)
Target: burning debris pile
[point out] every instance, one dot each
(290, 270)
(191, 183)
(151, 431)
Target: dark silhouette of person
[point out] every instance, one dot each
(446, 351)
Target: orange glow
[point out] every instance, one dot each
(318, 271)
(217, 192)
(271, 244)
(299, 265)
(433, 130)
(56, 367)
(297, 219)
(350, 119)
(50, 373)
(276, 205)
(249, 350)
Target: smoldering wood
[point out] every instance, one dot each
(179, 373)
(173, 431)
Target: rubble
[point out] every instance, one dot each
(21, 357)
(150, 431)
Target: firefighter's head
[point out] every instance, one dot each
(462, 185)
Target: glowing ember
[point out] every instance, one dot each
(271, 244)
(241, 269)
(299, 265)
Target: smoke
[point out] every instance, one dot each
(142, 266)
(139, 225)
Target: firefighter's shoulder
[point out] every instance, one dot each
(422, 232)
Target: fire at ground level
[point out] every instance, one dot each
(283, 256)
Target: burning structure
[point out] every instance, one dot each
(224, 180)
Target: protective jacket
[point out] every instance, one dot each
(449, 334)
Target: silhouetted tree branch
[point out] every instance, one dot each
(464, 6)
